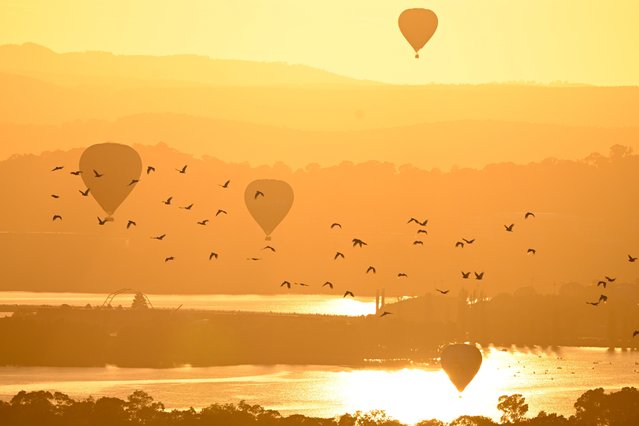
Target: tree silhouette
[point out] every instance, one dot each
(513, 407)
(139, 302)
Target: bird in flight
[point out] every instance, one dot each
(76, 173)
(479, 276)
(253, 258)
(328, 283)
(182, 170)
(402, 275)
(130, 224)
(371, 269)
(55, 196)
(56, 168)
(301, 284)
(531, 251)
(269, 248)
(338, 255)
(442, 291)
(468, 241)
(213, 255)
(133, 181)
(258, 194)
(85, 193)
(57, 217)
(422, 231)
(635, 334)
(168, 259)
(219, 212)
(168, 201)
(603, 283)
(102, 221)
(459, 244)
(349, 293)
(592, 303)
(203, 222)
(159, 237)
(336, 225)
(603, 298)
(610, 280)
(285, 283)
(189, 207)
(510, 227)
(465, 275)
(422, 223)
(418, 243)
(97, 174)
(632, 259)
(150, 169)
(358, 242)
(226, 184)
(385, 313)
(529, 214)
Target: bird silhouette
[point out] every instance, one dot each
(130, 224)
(56, 217)
(254, 258)
(182, 170)
(258, 194)
(532, 251)
(371, 269)
(285, 283)
(422, 223)
(301, 284)
(349, 293)
(56, 168)
(76, 173)
(213, 255)
(468, 241)
(97, 174)
(133, 181)
(358, 242)
(168, 201)
(203, 222)
(592, 303)
(442, 291)
(402, 275)
(150, 169)
(55, 196)
(465, 275)
(510, 227)
(418, 243)
(610, 280)
(459, 244)
(385, 313)
(189, 207)
(220, 211)
(603, 298)
(422, 231)
(603, 283)
(529, 214)
(102, 221)
(85, 193)
(226, 184)
(328, 283)
(632, 259)
(269, 248)
(635, 334)
(168, 259)
(479, 276)
(338, 255)
(159, 237)
(336, 225)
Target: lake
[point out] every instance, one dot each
(550, 381)
(281, 303)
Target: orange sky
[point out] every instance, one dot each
(477, 41)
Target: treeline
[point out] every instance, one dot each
(43, 408)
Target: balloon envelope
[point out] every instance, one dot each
(418, 26)
(271, 208)
(118, 165)
(461, 362)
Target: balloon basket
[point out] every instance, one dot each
(267, 238)
(109, 219)
(416, 55)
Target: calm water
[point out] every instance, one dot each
(283, 303)
(549, 381)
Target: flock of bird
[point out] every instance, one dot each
(356, 242)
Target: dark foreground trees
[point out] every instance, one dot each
(42, 408)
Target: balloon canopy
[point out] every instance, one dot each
(268, 201)
(461, 362)
(418, 26)
(110, 170)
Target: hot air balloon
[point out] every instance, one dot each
(110, 171)
(461, 362)
(268, 201)
(417, 26)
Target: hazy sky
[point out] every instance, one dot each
(477, 40)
